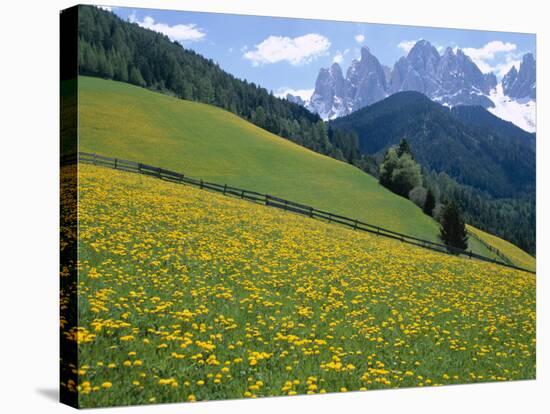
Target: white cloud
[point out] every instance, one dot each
(359, 38)
(484, 56)
(296, 51)
(180, 32)
(108, 8)
(305, 94)
(406, 45)
(502, 68)
(339, 56)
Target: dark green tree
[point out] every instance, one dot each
(453, 228)
(387, 168)
(135, 77)
(399, 174)
(406, 175)
(429, 203)
(404, 148)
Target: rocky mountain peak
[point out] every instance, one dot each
(336, 71)
(328, 97)
(451, 78)
(512, 73)
(528, 60)
(424, 57)
(521, 84)
(365, 80)
(449, 52)
(294, 99)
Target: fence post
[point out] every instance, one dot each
(201, 184)
(311, 212)
(95, 159)
(266, 199)
(242, 194)
(330, 217)
(286, 204)
(158, 172)
(116, 162)
(224, 188)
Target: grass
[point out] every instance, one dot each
(121, 120)
(189, 295)
(511, 251)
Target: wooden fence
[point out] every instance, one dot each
(276, 202)
(496, 251)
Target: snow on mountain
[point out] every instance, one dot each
(521, 112)
(329, 97)
(451, 79)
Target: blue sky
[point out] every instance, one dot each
(285, 54)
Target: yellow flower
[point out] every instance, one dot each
(127, 338)
(107, 384)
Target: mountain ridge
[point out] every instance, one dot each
(451, 79)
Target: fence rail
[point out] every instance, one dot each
(496, 251)
(277, 202)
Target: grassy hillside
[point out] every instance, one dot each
(189, 295)
(512, 252)
(121, 120)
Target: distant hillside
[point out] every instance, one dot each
(112, 48)
(484, 163)
(497, 163)
(122, 120)
(490, 124)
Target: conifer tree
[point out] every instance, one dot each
(429, 204)
(404, 148)
(453, 228)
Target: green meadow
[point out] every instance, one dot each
(189, 295)
(203, 141)
(511, 251)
